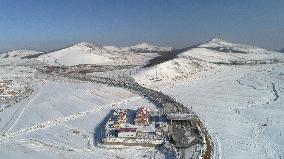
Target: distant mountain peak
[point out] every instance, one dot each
(87, 44)
(143, 45)
(221, 45)
(112, 48)
(19, 53)
(146, 47)
(218, 40)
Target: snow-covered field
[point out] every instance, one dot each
(60, 118)
(240, 105)
(241, 109)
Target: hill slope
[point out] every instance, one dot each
(235, 89)
(90, 53)
(18, 54)
(82, 53)
(147, 48)
(205, 57)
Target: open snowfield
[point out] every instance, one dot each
(60, 118)
(241, 109)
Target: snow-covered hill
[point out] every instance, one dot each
(112, 48)
(205, 57)
(235, 89)
(218, 50)
(146, 48)
(82, 53)
(90, 53)
(18, 54)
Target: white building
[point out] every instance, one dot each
(127, 132)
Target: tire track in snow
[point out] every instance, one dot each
(57, 121)
(22, 111)
(275, 93)
(15, 117)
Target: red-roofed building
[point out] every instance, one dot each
(142, 117)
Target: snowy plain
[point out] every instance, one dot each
(60, 118)
(240, 109)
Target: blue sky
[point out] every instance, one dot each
(50, 24)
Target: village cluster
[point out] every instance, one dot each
(130, 127)
(8, 89)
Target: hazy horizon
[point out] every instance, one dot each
(46, 25)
